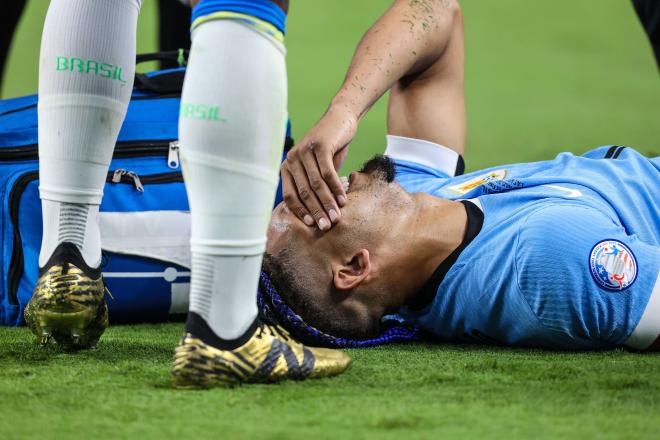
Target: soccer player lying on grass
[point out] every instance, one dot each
(559, 254)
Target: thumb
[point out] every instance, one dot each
(339, 157)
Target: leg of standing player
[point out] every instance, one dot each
(86, 70)
(648, 12)
(232, 122)
(11, 14)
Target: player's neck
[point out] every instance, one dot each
(434, 231)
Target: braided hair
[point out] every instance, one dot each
(273, 308)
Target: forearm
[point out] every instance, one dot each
(408, 38)
(408, 41)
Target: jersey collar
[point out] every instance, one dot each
(475, 220)
(425, 153)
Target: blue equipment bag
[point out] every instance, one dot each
(145, 224)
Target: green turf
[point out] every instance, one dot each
(542, 77)
(121, 390)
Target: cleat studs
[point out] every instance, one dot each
(76, 338)
(45, 336)
(67, 309)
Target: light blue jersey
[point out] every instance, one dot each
(567, 256)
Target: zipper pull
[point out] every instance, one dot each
(116, 176)
(173, 155)
(136, 181)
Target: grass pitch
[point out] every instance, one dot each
(121, 390)
(542, 77)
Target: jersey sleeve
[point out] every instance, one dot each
(585, 278)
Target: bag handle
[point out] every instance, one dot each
(165, 83)
(178, 56)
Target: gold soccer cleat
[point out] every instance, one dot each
(269, 355)
(67, 304)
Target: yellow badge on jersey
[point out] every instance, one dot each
(465, 187)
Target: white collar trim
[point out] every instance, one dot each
(422, 152)
(477, 203)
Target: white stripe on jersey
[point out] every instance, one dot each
(648, 328)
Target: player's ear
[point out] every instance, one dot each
(350, 274)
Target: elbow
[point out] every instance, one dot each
(453, 9)
(454, 15)
(445, 13)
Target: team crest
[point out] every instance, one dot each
(613, 265)
(465, 187)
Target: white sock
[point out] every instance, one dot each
(86, 69)
(231, 127)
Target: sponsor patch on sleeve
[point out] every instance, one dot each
(613, 265)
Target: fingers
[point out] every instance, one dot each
(321, 189)
(330, 178)
(307, 196)
(306, 192)
(290, 196)
(310, 184)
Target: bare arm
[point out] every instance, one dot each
(415, 50)
(429, 103)
(406, 50)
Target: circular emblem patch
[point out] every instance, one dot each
(613, 265)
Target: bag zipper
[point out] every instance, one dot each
(119, 174)
(133, 98)
(16, 263)
(173, 155)
(122, 150)
(131, 177)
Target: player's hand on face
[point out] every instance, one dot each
(311, 187)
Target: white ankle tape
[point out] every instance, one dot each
(224, 164)
(229, 247)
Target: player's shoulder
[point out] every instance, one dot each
(558, 236)
(553, 218)
(554, 245)
(568, 257)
